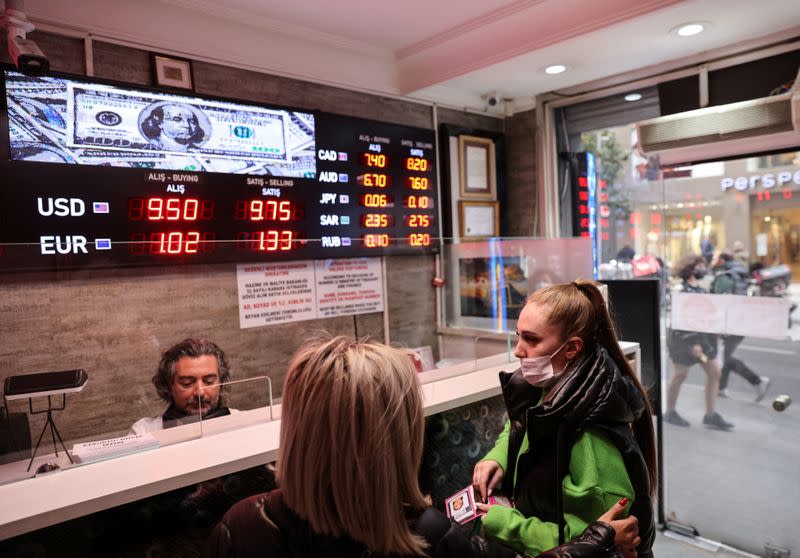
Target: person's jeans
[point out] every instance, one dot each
(732, 364)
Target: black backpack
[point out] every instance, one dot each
(739, 282)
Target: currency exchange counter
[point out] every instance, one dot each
(74, 505)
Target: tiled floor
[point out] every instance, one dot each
(669, 545)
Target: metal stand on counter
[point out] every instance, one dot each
(46, 384)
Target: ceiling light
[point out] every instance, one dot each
(630, 97)
(555, 69)
(689, 29)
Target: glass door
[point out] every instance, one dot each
(730, 442)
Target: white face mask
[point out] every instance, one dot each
(538, 371)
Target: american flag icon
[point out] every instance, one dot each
(100, 207)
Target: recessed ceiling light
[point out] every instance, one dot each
(555, 69)
(630, 97)
(689, 29)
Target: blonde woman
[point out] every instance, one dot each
(350, 449)
(580, 433)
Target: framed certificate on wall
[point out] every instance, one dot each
(478, 219)
(477, 168)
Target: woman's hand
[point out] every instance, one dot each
(696, 350)
(627, 530)
(486, 475)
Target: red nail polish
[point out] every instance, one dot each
(623, 502)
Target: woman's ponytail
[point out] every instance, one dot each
(606, 335)
(579, 307)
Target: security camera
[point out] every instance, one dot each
(493, 99)
(28, 57)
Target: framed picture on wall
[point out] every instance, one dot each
(172, 72)
(478, 219)
(476, 168)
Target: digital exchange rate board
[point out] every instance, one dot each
(100, 175)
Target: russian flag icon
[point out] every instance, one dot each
(345, 241)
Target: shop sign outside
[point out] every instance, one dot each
(766, 181)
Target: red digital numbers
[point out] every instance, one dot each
(418, 183)
(417, 220)
(376, 220)
(416, 164)
(170, 209)
(378, 160)
(175, 242)
(419, 239)
(376, 200)
(374, 179)
(270, 210)
(274, 241)
(267, 210)
(418, 202)
(375, 240)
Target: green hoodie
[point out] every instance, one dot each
(597, 479)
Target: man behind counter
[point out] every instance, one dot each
(185, 379)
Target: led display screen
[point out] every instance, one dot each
(52, 119)
(101, 174)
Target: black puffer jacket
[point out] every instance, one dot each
(263, 526)
(594, 395)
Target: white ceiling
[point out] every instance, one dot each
(447, 51)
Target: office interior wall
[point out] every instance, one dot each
(116, 322)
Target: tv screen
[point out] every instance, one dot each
(60, 120)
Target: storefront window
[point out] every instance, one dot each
(751, 205)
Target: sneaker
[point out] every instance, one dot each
(761, 388)
(723, 393)
(715, 420)
(673, 417)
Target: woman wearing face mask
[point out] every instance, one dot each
(579, 435)
(687, 348)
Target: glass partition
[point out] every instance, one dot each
(42, 414)
(485, 346)
(225, 406)
(246, 402)
(487, 282)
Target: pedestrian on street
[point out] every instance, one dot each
(687, 348)
(730, 277)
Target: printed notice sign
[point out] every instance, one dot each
(698, 312)
(347, 287)
(751, 316)
(275, 293)
(759, 316)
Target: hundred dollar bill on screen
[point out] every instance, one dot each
(59, 120)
